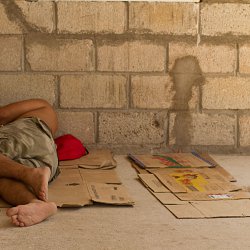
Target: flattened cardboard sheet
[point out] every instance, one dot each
(186, 211)
(244, 206)
(170, 183)
(215, 196)
(221, 170)
(69, 189)
(100, 176)
(169, 199)
(153, 183)
(80, 187)
(138, 169)
(96, 159)
(169, 160)
(68, 166)
(193, 180)
(201, 192)
(213, 209)
(227, 175)
(109, 194)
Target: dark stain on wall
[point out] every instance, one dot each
(186, 73)
(16, 15)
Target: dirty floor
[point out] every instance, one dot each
(148, 225)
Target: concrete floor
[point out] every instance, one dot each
(147, 225)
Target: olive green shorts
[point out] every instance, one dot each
(29, 141)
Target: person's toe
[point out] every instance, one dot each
(42, 196)
(12, 211)
(15, 220)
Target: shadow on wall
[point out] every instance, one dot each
(187, 76)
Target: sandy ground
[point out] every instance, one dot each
(147, 225)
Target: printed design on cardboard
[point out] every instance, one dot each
(168, 161)
(191, 180)
(220, 196)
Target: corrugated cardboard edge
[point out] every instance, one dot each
(109, 194)
(97, 158)
(168, 199)
(223, 208)
(185, 211)
(138, 169)
(223, 171)
(153, 183)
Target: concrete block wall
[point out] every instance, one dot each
(133, 76)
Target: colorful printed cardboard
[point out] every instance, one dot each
(205, 180)
(170, 160)
(201, 192)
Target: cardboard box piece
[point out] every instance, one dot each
(203, 180)
(198, 191)
(79, 185)
(96, 159)
(170, 160)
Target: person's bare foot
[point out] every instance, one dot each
(38, 179)
(32, 213)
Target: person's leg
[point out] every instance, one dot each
(36, 178)
(29, 210)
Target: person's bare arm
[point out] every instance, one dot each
(33, 107)
(13, 111)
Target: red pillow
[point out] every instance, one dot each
(69, 148)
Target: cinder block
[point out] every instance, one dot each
(151, 92)
(134, 56)
(225, 18)
(10, 53)
(202, 129)
(166, 18)
(79, 124)
(244, 134)
(210, 58)
(60, 54)
(104, 17)
(226, 93)
(21, 16)
(93, 91)
(244, 58)
(20, 87)
(131, 127)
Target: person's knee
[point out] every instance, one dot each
(3, 185)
